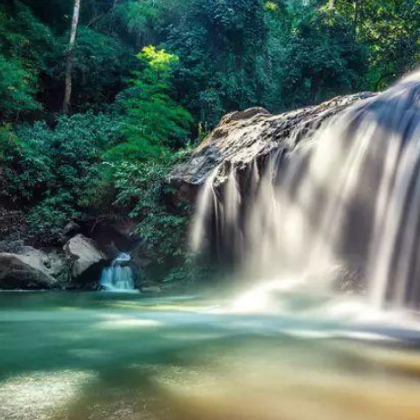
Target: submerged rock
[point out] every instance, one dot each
(32, 269)
(85, 258)
(248, 136)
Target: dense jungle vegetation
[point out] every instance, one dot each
(99, 98)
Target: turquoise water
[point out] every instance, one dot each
(100, 356)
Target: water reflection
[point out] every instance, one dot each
(105, 357)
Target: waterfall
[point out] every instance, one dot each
(345, 203)
(118, 277)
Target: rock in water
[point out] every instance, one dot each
(86, 259)
(31, 269)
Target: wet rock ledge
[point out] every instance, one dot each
(243, 137)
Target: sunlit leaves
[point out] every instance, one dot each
(270, 6)
(158, 60)
(154, 120)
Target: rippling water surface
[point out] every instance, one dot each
(98, 356)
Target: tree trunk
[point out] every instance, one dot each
(332, 4)
(69, 61)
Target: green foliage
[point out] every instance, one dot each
(70, 150)
(17, 88)
(390, 30)
(48, 218)
(232, 53)
(140, 17)
(154, 120)
(24, 37)
(320, 58)
(148, 21)
(25, 169)
(143, 189)
(8, 143)
(271, 6)
(24, 42)
(224, 57)
(101, 65)
(51, 169)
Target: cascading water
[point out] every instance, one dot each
(119, 276)
(347, 198)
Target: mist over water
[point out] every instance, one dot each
(102, 356)
(340, 212)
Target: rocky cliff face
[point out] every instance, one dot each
(248, 136)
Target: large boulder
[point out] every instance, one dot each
(32, 269)
(85, 257)
(244, 137)
(113, 233)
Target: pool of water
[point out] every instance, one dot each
(99, 356)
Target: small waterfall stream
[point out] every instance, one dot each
(346, 199)
(118, 277)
